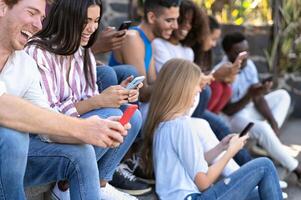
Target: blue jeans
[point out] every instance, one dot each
(13, 152)
(241, 184)
(205, 95)
(107, 76)
(50, 162)
(109, 158)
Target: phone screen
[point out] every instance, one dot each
(246, 129)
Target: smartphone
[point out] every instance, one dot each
(246, 129)
(125, 25)
(128, 113)
(268, 79)
(135, 82)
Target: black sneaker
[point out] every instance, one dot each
(137, 170)
(125, 181)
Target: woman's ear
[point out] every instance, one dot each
(3, 8)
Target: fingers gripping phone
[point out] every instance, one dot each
(246, 129)
(135, 82)
(128, 113)
(125, 25)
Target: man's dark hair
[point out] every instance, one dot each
(62, 30)
(231, 39)
(213, 23)
(157, 5)
(11, 3)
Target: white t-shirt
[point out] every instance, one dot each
(22, 78)
(164, 51)
(2, 88)
(178, 155)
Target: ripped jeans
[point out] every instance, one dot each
(242, 184)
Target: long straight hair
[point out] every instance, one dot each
(173, 93)
(62, 30)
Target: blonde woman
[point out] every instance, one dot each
(175, 146)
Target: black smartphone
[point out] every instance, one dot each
(268, 79)
(246, 129)
(125, 25)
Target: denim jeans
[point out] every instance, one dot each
(242, 184)
(109, 158)
(107, 76)
(50, 162)
(13, 152)
(203, 102)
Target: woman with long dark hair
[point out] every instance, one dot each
(68, 69)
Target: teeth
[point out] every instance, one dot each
(27, 33)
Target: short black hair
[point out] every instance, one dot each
(156, 5)
(213, 23)
(231, 39)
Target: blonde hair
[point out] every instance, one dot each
(172, 93)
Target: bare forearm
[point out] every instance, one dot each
(263, 108)
(20, 115)
(145, 93)
(233, 108)
(213, 153)
(204, 181)
(87, 105)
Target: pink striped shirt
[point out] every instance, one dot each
(63, 91)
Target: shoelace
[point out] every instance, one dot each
(126, 172)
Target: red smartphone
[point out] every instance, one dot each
(246, 129)
(128, 113)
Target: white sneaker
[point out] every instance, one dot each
(57, 194)
(110, 193)
(283, 184)
(284, 195)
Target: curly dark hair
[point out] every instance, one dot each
(200, 24)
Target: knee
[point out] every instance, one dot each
(227, 90)
(105, 73)
(131, 70)
(82, 155)
(265, 162)
(15, 142)
(284, 95)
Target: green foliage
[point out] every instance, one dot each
(255, 12)
(290, 34)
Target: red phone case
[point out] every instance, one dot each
(127, 114)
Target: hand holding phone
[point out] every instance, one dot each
(135, 82)
(246, 129)
(239, 59)
(125, 25)
(128, 113)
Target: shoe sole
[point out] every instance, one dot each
(137, 192)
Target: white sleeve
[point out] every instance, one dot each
(190, 151)
(161, 53)
(2, 88)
